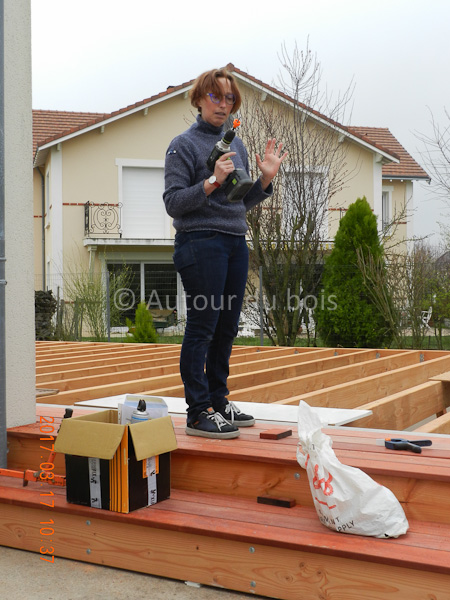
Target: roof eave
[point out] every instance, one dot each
(426, 178)
(183, 89)
(46, 145)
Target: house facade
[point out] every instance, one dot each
(99, 179)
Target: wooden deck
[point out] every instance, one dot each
(402, 388)
(212, 530)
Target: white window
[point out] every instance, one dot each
(141, 186)
(46, 216)
(386, 208)
(156, 284)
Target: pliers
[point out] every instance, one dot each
(402, 444)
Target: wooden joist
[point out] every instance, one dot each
(360, 392)
(397, 385)
(406, 408)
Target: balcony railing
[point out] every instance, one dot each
(102, 219)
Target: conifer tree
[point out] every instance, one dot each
(143, 329)
(350, 318)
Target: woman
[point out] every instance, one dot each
(211, 253)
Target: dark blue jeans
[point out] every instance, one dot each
(213, 267)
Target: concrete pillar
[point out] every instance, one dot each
(19, 312)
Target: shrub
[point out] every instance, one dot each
(143, 330)
(44, 309)
(355, 321)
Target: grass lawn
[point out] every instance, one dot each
(430, 342)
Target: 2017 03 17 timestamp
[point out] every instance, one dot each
(47, 427)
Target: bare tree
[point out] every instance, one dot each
(436, 155)
(404, 288)
(288, 231)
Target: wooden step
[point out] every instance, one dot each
(249, 466)
(231, 543)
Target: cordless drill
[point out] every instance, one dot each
(237, 184)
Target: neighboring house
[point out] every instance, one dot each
(99, 179)
(397, 180)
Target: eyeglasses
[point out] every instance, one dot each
(229, 98)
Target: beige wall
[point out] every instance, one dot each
(20, 335)
(363, 176)
(360, 182)
(90, 172)
(401, 208)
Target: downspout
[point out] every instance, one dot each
(43, 228)
(3, 440)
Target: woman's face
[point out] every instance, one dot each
(217, 114)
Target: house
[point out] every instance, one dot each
(397, 180)
(98, 184)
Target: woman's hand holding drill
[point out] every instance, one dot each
(223, 167)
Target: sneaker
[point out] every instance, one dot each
(211, 424)
(235, 416)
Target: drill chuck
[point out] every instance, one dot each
(220, 148)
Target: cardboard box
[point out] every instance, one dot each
(116, 467)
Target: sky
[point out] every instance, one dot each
(103, 55)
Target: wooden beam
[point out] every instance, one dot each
(404, 409)
(116, 353)
(89, 368)
(355, 393)
(126, 386)
(154, 366)
(258, 362)
(285, 388)
(92, 348)
(93, 386)
(445, 377)
(276, 375)
(439, 425)
(85, 379)
(56, 367)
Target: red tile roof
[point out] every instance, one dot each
(407, 168)
(52, 124)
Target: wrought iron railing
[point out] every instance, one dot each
(102, 219)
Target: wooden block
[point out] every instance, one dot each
(275, 434)
(284, 502)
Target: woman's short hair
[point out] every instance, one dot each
(207, 83)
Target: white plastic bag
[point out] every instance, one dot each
(346, 499)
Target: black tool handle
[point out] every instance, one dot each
(407, 446)
(422, 442)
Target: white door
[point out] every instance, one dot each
(143, 212)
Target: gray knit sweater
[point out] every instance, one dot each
(185, 172)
